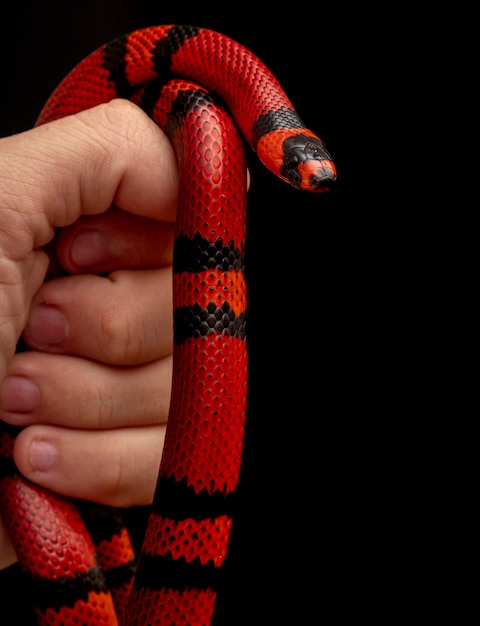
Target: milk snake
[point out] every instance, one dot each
(186, 78)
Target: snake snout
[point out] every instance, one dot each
(323, 179)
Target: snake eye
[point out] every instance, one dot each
(312, 151)
(315, 150)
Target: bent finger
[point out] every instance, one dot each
(116, 468)
(114, 240)
(79, 394)
(81, 165)
(128, 318)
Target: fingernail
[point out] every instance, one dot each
(42, 456)
(46, 325)
(19, 395)
(89, 248)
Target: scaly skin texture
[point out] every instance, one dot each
(189, 527)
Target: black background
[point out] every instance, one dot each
(303, 542)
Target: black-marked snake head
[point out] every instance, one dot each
(307, 164)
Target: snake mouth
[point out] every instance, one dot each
(323, 179)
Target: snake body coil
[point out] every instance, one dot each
(174, 73)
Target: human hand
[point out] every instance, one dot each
(102, 391)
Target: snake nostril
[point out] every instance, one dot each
(322, 182)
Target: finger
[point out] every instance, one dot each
(114, 240)
(115, 467)
(75, 393)
(126, 320)
(81, 165)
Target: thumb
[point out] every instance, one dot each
(53, 174)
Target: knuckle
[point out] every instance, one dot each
(119, 337)
(128, 122)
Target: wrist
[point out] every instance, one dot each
(7, 552)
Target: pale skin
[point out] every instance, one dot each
(93, 391)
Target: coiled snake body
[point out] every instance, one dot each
(174, 73)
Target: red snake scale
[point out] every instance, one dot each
(178, 75)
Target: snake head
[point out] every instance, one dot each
(307, 164)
